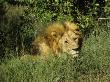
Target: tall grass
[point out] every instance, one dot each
(92, 65)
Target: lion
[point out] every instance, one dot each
(59, 37)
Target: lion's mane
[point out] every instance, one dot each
(48, 41)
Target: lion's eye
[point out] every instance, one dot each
(66, 41)
(77, 29)
(74, 38)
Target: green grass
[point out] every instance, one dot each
(93, 64)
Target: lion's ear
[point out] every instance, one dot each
(54, 33)
(66, 27)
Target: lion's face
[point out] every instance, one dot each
(70, 43)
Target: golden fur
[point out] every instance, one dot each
(57, 38)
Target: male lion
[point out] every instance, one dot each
(57, 38)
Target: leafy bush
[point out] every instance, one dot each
(93, 63)
(21, 20)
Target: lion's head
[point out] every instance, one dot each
(59, 37)
(70, 43)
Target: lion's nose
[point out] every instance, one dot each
(76, 49)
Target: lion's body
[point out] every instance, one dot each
(58, 38)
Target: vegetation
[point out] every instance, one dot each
(21, 21)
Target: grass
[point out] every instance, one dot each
(93, 64)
